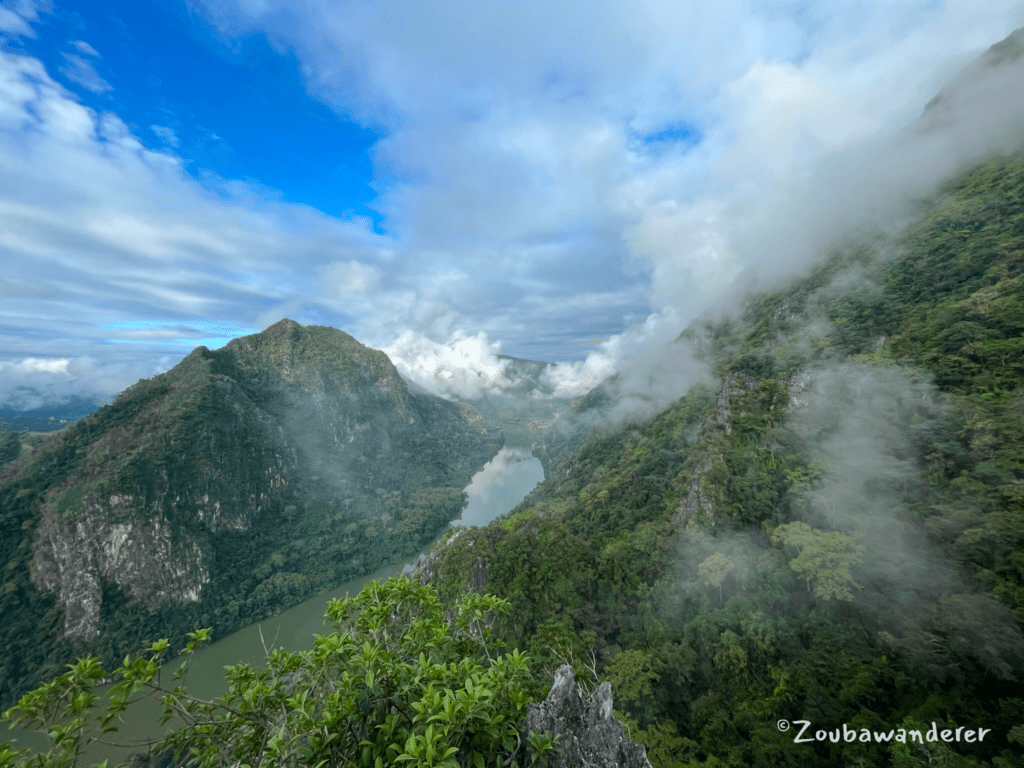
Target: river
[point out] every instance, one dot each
(493, 491)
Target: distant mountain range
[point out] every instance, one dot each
(524, 410)
(46, 418)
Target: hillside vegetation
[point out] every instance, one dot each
(837, 535)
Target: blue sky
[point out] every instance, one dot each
(570, 182)
(240, 112)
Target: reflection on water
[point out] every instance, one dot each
(494, 490)
(500, 485)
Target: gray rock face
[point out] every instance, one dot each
(797, 384)
(697, 497)
(733, 385)
(702, 493)
(588, 733)
(142, 556)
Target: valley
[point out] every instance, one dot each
(495, 490)
(806, 507)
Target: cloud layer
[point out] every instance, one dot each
(559, 182)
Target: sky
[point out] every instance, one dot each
(568, 182)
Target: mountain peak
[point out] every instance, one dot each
(284, 322)
(284, 325)
(318, 345)
(976, 80)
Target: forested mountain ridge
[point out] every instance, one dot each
(229, 487)
(836, 535)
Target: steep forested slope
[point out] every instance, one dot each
(230, 487)
(836, 535)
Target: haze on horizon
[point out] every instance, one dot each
(572, 184)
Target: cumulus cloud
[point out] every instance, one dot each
(644, 369)
(650, 368)
(464, 366)
(568, 200)
(575, 379)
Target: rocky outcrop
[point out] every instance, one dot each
(588, 733)
(479, 576)
(141, 556)
(144, 495)
(704, 493)
(797, 385)
(697, 498)
(734, 385)
(701, 494)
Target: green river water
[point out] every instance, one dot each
(495, 490)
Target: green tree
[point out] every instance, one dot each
(714, 569)
(397, 683)
(825, 557)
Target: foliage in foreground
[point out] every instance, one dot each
(397, 683)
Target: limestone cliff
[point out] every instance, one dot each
(229, 487)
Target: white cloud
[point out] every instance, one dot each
(37, 365)
(81, 71)
(84, 48)
(350, 278)
(165, 134)
(575, 379)
(652, 369)
(28, 9)
(34, 382)
(518, 177)
(464, 366)
(12, 24)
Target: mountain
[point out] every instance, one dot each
(834, 534)
(227, 488)
(996, 69)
